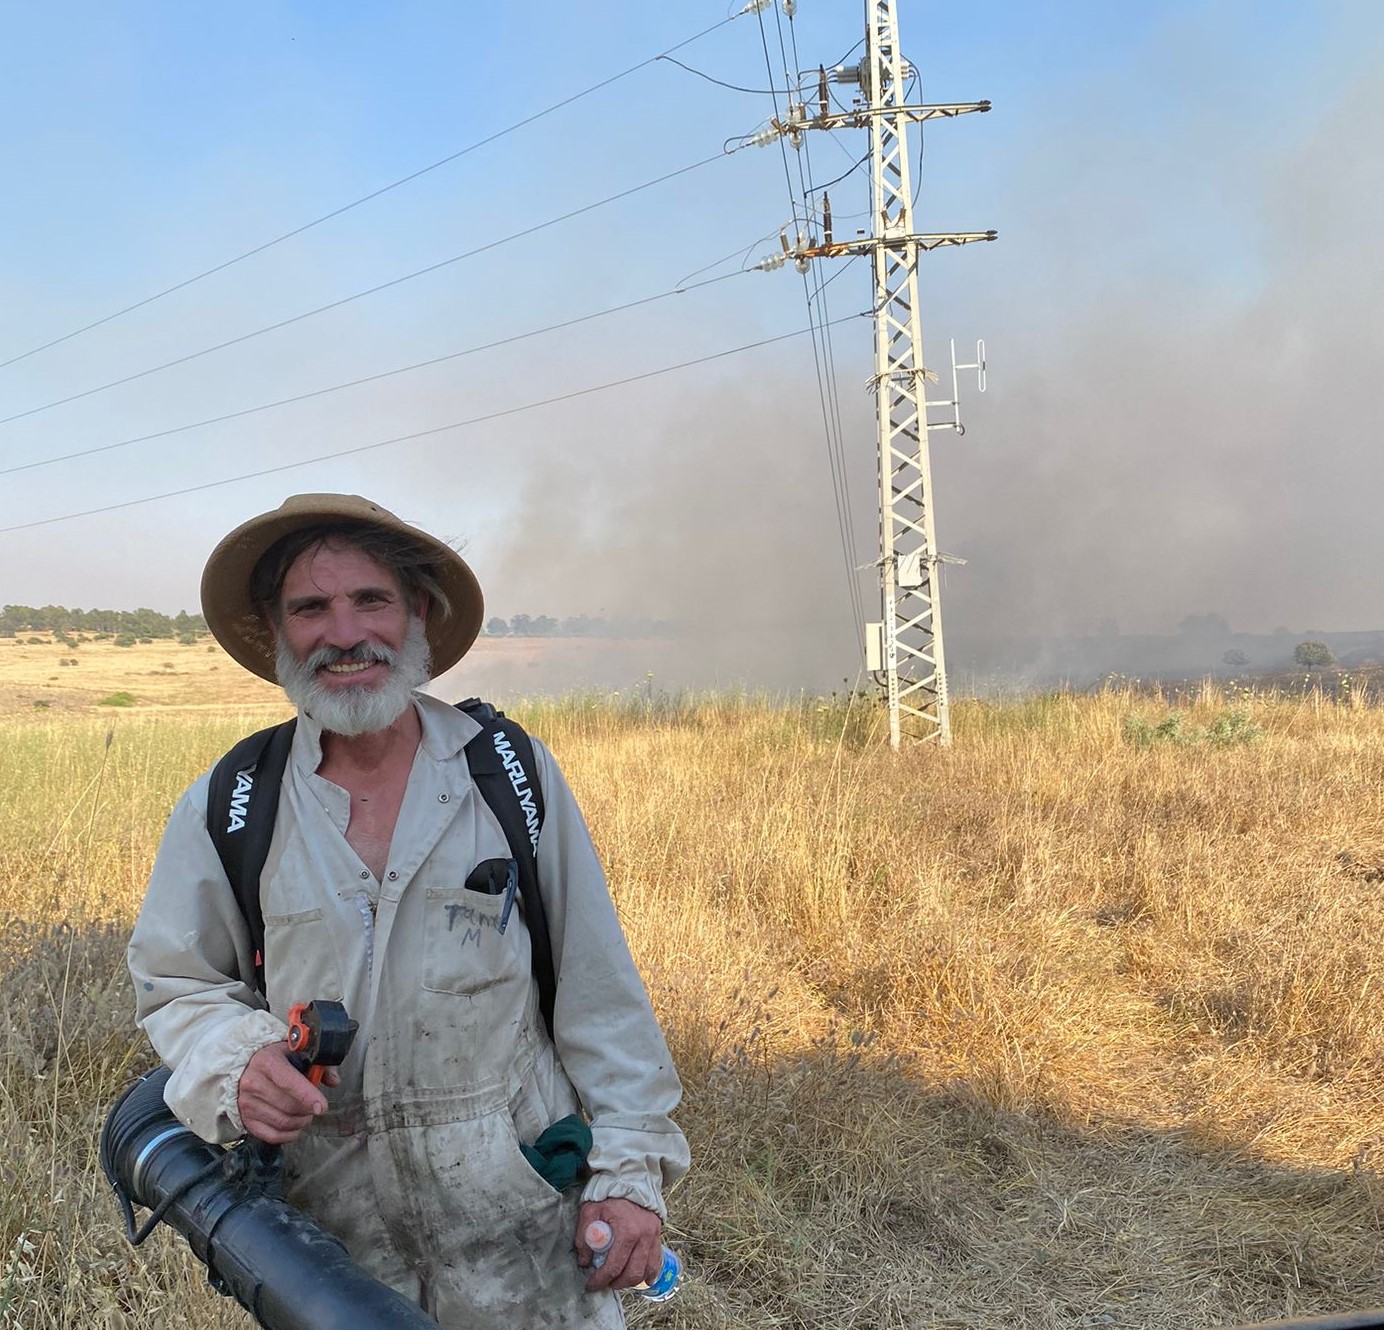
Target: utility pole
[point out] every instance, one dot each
(905, 649)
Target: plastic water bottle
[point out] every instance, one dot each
(600, 1237)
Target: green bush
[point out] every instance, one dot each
(124, 639)
(1229, 728)
(117, 700)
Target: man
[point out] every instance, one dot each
(413, 1155)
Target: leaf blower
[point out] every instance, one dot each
(283, 1268)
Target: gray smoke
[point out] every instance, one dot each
(1184, 318)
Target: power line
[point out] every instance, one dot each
(817, 189)
(720, 83)
(821, 287)
(823, 358)
(359, 295)
(836, 440)
(418, 434)
(835, 433)
(679, 290)
(366, 198)
(742, 254)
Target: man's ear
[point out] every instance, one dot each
(271, 622)
(422, 605)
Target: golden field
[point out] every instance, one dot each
(1077, 1023)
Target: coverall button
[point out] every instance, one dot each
(442, 798)
(364, 873)
(393, 876)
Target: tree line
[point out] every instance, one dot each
(59, 619)
(150, 623)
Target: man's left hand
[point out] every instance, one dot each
(636, 1255)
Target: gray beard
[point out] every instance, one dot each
(356, 709)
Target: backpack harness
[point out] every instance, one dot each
(241, 814)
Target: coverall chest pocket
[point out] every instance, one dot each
(464, 951)
(299, 960)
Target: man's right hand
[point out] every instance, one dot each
(276, 1101)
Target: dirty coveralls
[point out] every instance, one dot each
(416, 1167)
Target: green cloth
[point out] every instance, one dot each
(559, 1155)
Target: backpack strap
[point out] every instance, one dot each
(502, 764)
(242, 805)
(241, 813)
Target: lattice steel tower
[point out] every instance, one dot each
(906, 646)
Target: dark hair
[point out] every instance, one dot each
(417, 570)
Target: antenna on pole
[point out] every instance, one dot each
(954, 406)
(904, 650)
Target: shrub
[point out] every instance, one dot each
(124, 639)
(1233, 727)
(117, 700)
(1229, 728)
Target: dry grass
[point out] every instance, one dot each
(1055, 1028)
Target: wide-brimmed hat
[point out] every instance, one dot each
(236, 622)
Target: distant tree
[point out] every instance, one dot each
(544, 626)
(521, 625)
(1313, 655)
(1204, 625)
(498, 627)
(1236, 659)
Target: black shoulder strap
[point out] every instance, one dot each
(241, 811)
(242, 805)
(502, 764)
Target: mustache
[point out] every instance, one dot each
(363, 653)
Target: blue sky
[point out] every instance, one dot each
(1179, 312)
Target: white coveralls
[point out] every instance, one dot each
(416, 1167)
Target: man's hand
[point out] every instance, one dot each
(276, 1101)
(636, 1255)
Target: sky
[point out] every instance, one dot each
(1182, 313)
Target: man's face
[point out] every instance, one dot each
(349, 647)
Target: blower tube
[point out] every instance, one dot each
(270, 1257)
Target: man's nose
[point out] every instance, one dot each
(343, 626)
